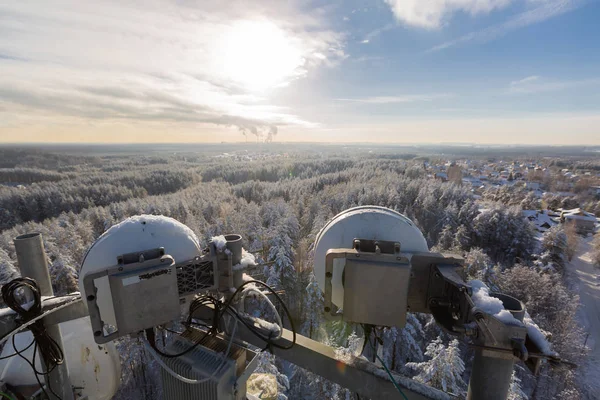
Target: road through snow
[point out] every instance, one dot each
(587, 279)
(589, 292)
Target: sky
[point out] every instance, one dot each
(379, 71)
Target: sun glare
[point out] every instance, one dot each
(259, 55)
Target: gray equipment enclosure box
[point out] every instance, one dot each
(224, 378)
(144, 294)
(376, 279)
(375, 292)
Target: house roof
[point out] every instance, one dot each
(541, 219)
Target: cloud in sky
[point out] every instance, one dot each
(213, 63)
(537, 84)
(376, 32)
(411, 98)
(432, 14)
(542, 10)
(525, 81)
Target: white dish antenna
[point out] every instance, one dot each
(365, 222)
(139, 233)
(93, 368)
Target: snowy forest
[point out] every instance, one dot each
(279, 198)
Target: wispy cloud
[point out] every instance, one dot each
(546, 10)
(204, 63)
(537, 84)
(367, 59)
(397, 99)
(376, 32)
(525, 81)
(432, 14)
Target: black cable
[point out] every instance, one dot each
(32, 365)
(16, 353)
(171, 331)
(52, 391)
(219, 310)
(194, 305)
(256, 332)
(51, 353)
(268, 340)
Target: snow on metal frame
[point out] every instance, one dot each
(494, 306)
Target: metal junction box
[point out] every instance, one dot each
(144, 294)
(375, 280)
(375, 291)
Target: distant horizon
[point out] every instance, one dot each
(406, 144)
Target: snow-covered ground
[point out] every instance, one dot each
(588, 282)
(587, 279)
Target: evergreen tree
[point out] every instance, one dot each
(554, 245)
(401, 346)
(314, 309)
(531, 202)
(8, 272)
(446, 239)
(444, 369)
(266, 365)
(504, 234)
(478, 265)
(515, 392)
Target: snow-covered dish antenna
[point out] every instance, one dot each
(365, 222)
(135, 234)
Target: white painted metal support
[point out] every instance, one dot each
(74, 310)
(33, 264)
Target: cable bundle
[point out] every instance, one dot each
(50, 351)
(220, 308)
(271, 342)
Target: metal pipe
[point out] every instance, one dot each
(492, 370)
(234, 245)
(33, 264)
(490, 377)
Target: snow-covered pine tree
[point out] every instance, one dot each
(8, 272)
(531, 202)
(401, 346)
(266, 365)
(313, 317)
(515, 392)
(283, 229)
(446, 238)
(479, 266)
(444, 369)
(554, 245)
(504, 234)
